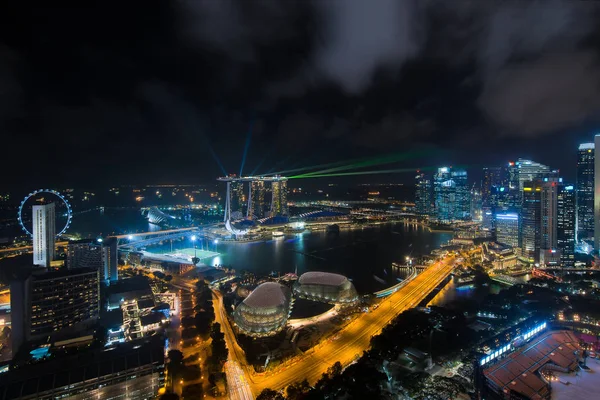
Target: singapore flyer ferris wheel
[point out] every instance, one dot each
(63, 212)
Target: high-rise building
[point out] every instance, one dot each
(585, 191)
(48, 303)
(102, 256)
(110, 258)
(258, 198)
(423, 192)
(451, 195)
(597, 196)
(507, 228)
(130, 371)
(279, 204)
(444, 189)
(492, 178)
(529, 171)
(521, 172)
(462, 206)
(238, 198)
(85, 253)
(476, 211)
(565, 225)
(529, 230)
(44, 234)
(549, 254)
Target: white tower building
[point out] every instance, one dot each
(44, 234)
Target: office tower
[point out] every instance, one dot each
(110, 258)
(529, 231)
(529, 171)
(597, 196)
(451, 195)
(258, 198)
(492, 178)
(521, 172)
(507, 228)
(585, 191)
(462, 204)
(476, 211)
(549, 254)
(49, 303)
(444, 189)
(279, 205)
(565, 225)
(423, 192)
(44, 234)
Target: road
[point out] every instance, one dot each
(350, 342)
(236, 359)
(237, 386)
(29, 248)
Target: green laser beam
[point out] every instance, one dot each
(389, 159)
(305, 168)
(384, 171)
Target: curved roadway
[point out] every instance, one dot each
(349, 343)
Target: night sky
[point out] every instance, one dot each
(118, 92)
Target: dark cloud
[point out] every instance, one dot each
(331, 78)
(542, 96)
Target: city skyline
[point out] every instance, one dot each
(305, 200)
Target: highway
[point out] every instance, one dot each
(29, 248)
(349, 343)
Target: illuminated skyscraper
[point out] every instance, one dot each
(507, 229)
(451, 195)
(530, 231)
(566, 225)
(238, 197)
(492, 178)
(549, 253)
(258, 198)
(585, 191)
(279, 205)
(597, 196)
(423, 192)
(44, 234)
(50, 303)
(476, 204)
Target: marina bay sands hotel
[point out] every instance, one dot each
(252, 202)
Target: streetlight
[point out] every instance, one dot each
(195, 259)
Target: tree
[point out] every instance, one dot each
(297, 390)
(175, 366)
(270, 394)
(219, 349)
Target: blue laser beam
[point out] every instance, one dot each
(247, 146)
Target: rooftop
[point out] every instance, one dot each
(519, 371)
(268, 294)
(322, 278)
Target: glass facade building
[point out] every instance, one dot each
(451, 195)
(585, 190)
(423, 194)
(265, 311)
(279, 203)
(325, 287)
(507, 229)
(529, 230)
(566, 225)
